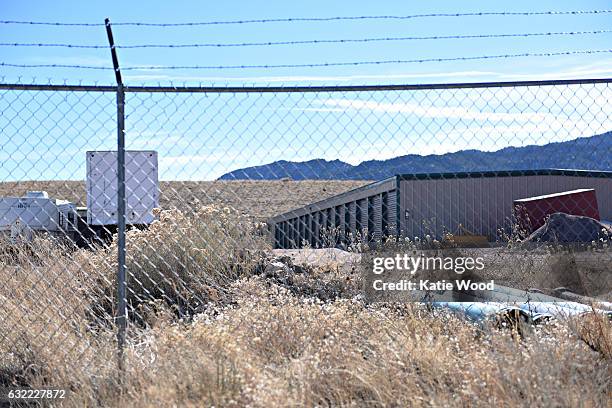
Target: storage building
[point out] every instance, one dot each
(416, 205)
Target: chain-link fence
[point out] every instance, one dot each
(222, 184)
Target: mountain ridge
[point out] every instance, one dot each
(587, 153)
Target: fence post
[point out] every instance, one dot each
(121, 317)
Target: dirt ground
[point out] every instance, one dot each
(259, 199)
(587, 273)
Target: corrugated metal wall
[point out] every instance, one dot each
(432, 206)
(353, 217)
(377, 216)
(392, 229)
(351, 212)
(483, 204)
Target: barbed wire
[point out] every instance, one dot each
(311, 65)
(11, 65)
(317, 19)
(324, 41)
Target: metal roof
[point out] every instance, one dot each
(506, 173)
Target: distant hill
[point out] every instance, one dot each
(589, 153)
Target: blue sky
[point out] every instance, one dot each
(204, 136)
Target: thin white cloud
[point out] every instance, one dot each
(598, 68)
(430, 111)
(306, 78)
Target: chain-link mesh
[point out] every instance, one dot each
(53, 297)
(279, 185)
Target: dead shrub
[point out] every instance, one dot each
(186, 260)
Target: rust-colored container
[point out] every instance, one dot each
(531, 212)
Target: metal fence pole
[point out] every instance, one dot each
(121, 317)
(121, 271)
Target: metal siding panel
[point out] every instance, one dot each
(378, 216)
(456, 212)
(408, 206)
(416, 200)
(313, 229)
(496, 203)
(358, 216)
(323, 219)
(427, 207)
(344, 227)
(392, 210)
(471, 207)
(505, 206)
(430, 223)
(353, 212)
(488, 194)
(439, 190)
(410, 201)
(494, 192)
(298, 239)
(307, 233)
(460, 209)
(294, 233)
(403, 198)
(301, 230)
(444, 206)
(491, 193)
(384, 215)
(319, 222)
(414, 208)
(290, 234)
(480, 207)
(285, 234)
(370, 217)
(603, 189)
(409, 225)
(364, 213)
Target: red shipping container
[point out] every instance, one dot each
(531, 212)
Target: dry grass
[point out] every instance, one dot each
(260, 199)
(210, 327)
(268, 339)
(183, 261)
(45, 327)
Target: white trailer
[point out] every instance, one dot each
(20, 217)
(141, 187)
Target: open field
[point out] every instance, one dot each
(259, 199)
(211, 323)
